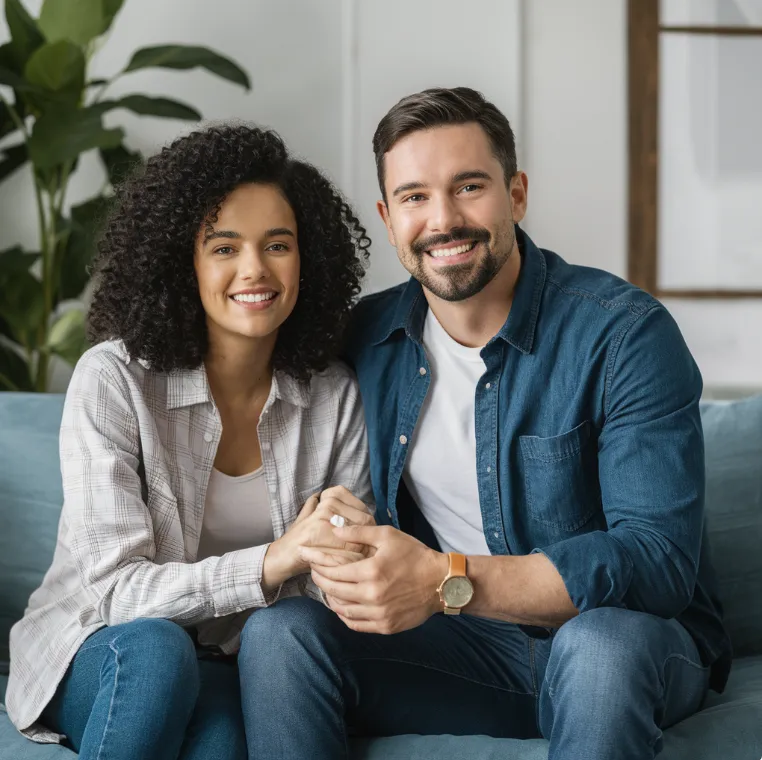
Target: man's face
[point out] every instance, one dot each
(448, 210)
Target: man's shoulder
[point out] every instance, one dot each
(372, 316)
(603, 291)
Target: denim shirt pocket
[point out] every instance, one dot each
(560, 479)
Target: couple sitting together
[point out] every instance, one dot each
(469, 504)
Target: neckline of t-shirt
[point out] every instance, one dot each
(240, 478)
(444, 339)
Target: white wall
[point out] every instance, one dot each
(325, 71)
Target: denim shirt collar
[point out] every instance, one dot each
(520, 327)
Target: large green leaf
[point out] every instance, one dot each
(61, 134)
(22, 306)
(189, 57)
(110, 9)
(67, 337)
(119, 162)
(58, 67)
(11, 159)
(25, 34)
(77, 20)
(85, 226)
(146, 106)
(14, 371)
(14, 260)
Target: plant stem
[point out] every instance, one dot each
(15, 116)
(41, 379)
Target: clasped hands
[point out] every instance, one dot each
(377, 579)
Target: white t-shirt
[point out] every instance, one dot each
(440, 470)
(236, 514)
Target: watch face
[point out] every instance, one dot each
(457, 592)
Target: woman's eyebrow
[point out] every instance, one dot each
(275, 231)
(222, 234)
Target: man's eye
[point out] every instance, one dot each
(471, 188)
(414, 198)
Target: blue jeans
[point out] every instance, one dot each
(138, 691)
(601, 687)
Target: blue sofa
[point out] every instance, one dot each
(728, 728)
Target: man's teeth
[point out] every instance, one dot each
(442, 252)
(254, 297)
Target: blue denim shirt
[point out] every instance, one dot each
(589, 445)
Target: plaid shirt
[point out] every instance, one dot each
(137, 448)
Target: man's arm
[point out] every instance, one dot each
(652, 483)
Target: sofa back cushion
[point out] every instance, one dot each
(31, 498)
(733, 443)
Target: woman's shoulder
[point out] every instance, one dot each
(337, 377)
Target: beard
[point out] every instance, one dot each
(458, 282)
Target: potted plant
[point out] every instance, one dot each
(51, 112)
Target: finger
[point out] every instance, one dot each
(370, 535)
(330, 507)
(309, 507)
(328, 557)
(350, 592)
(357, 612)
(363, 570)
(344, 495)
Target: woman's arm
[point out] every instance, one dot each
(111, 537)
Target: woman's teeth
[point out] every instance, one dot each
(442, 252)
(254, 297)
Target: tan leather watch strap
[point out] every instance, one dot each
(457, 564)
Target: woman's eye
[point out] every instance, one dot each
(224, 250)
(277, 247)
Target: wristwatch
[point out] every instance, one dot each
(456, 589)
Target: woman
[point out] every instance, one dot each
(208, 412)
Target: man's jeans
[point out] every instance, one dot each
(601, 688)
(139, 692)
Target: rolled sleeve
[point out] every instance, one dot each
(651, 473)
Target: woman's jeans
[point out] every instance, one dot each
(601, 687)
(139, 691)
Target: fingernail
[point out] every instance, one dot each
(337, 521)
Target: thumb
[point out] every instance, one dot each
(309, 507)
(370, 535)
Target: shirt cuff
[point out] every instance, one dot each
(237, 584)
(595, 568)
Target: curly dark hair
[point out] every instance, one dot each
(146, 292)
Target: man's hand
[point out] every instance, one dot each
(392, 590)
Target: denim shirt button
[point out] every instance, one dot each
(488, 386)
(403, 439)
(389, 513)
(422, 371)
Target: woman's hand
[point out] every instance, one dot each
(313, 528)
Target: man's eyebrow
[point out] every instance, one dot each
(275, 231)
(459, 177)
(408, 186)
(215, 234)
(472, 174)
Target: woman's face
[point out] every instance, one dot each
(247, 263)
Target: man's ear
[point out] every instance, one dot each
(383, 212)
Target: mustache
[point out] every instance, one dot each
(477, 234)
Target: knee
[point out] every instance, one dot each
(286, 629)
(604, 644)
(161, 650)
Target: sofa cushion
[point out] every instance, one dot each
(30, 499)
(733, 440)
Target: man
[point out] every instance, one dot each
(537, 457)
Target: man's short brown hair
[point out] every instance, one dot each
(437, 107)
